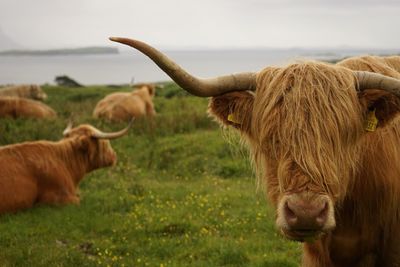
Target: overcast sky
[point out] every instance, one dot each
(41, 24)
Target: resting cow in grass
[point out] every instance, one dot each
(124, 106)
(16, 107)
(50, 172)
(325, 140)
(32, 91)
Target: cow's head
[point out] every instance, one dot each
(95, 144)
(303, 123)
(37, 92)
(146, 88)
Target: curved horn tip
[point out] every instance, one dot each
(196, 86)
(68, 129)
(101, 135)
(114, 39)
(125, 41)
(121, 40)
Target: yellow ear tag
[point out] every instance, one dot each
(232, 118)
(371, 121)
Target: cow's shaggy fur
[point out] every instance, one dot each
(16, 107)
(303, 109)
(304, 126)
(124, 106)
(50, 172)
(32, 91)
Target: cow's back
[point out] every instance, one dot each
(18, 107)
(394, 62)
(120, 107)
(389, 66)
(16, 91)
(38, 110)
(104, 107)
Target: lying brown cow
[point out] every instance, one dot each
(50, 172)
(32, 91)
(16, 107)
(124, 106)
(325, 140)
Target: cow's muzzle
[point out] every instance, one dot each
(305, 216)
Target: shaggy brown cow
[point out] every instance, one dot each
(32, 91)
(124, 106)
(16, 107)
(325, 140)
(50, 172)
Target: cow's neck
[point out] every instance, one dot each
(75, 159)
(380, 172)
(375, 192)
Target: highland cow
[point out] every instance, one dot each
(16, 107)
(124, 106)
(325, 141)
(32, 91)
(50, 172)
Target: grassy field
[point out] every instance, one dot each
(182, 194)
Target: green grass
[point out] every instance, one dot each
(180, 195)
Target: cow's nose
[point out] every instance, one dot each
(304, 216)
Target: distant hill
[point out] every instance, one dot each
(57, 52)
(6, 43)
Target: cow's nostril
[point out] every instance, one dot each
(301, 215)
(323, 215)
(290, 215)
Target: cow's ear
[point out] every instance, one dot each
(379, 108)
(84, 142)
(151, 90)
(233, 109)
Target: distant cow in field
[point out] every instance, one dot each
(124, 106)
(50, 172)
(32, 91)
(325, 141)
(16, 107)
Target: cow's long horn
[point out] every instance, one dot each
(370, 80)
(68, 128)
(101, 135)
(196, 86)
